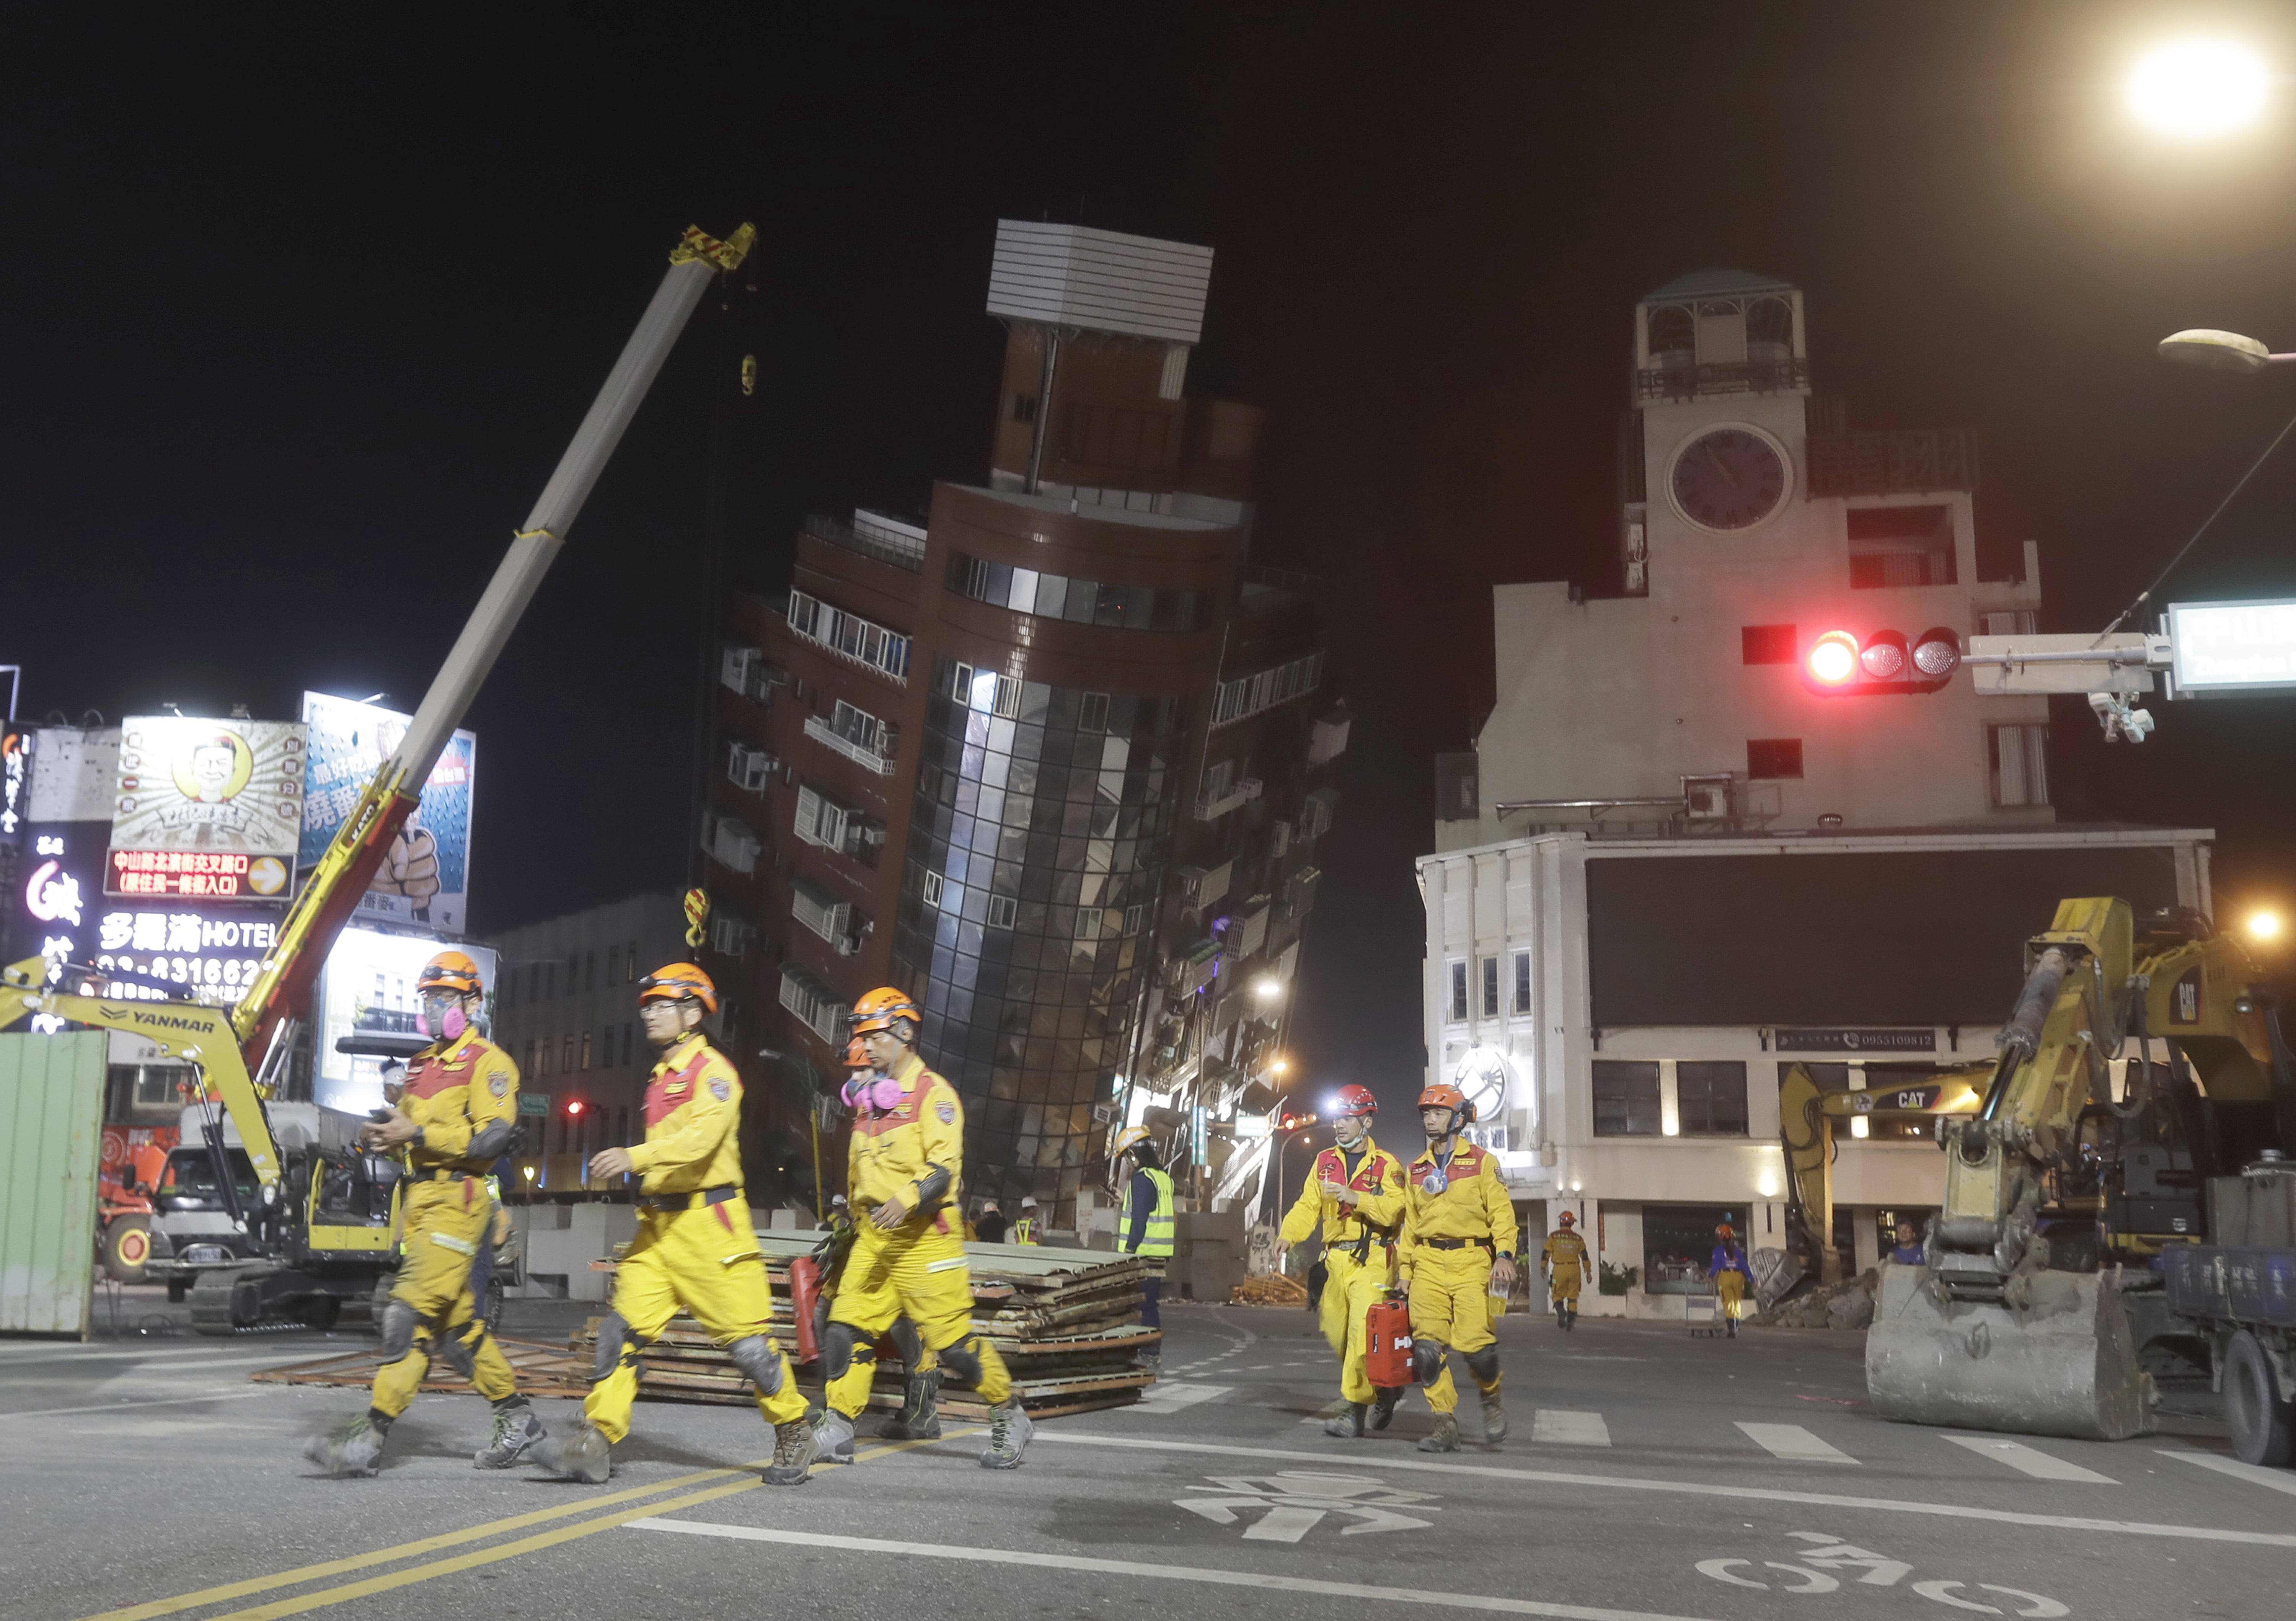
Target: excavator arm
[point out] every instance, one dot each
(1989, 1333)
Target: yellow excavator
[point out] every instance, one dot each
(2041, 1281)
(1810, 1117)
(316, 1220)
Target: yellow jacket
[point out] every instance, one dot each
(1473, 1204)
(1565, 1247)
(463, 1094)
(915, 1154)
(693, 1121)
(1375, 1207)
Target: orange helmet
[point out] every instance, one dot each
(1725, 1231)
(883, 1008)
(680, 981)
(856, 1057)
(452, 972)
(1567, 1219)
(1442, 1095)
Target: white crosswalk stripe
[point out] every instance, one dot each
(2029, 1459)
(2277, 1480)
(1170, 1395)
(1560, 1429)
(1793, 1443)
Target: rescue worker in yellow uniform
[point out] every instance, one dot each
(919, 1418)
(695, 1245)
(1355, 1193)
(1564, 1256)
(455, 1114)
(1458, 1245)
(905, 1174)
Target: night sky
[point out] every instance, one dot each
(294, 324)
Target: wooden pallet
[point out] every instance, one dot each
(542, 1370)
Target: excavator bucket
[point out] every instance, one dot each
(2065, 1366)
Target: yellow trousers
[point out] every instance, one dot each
(1351, 1287)
(445, 1223)
(707, 1261)
(915, 1271)
(1731, 1288)
(1563, 1285)
(1450, 1305)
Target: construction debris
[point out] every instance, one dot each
(1847, 1305)
(1273, 1290)
(543, 1371)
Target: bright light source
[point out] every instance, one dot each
(2199, 88)
(530, 1173)
(1833, 658)
(1768, 1186)
(574, 1107)
(1268, 988)
(2265, 924)
(1281, 1067)
(2214, 349)
(1857, 1125)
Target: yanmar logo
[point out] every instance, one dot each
(148, 1020)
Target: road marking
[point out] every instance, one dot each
(1141, 1567)
(2029, 1459)
(1692, 1488)
(1171, 1395)
(1557, 1427)
(1794, 1444)
(2278, 1480)
(1296, 1500)
(130, 1405)
(484, 1556)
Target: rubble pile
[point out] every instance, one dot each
(1848, 1305)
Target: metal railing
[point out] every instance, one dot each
(860, 754)
(1907, 461)
(835, 532)
(1737, 377)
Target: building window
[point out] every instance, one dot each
(931, 888)
(1900, 545)
(1771, 759)
(862, 640)
(1093, 717)
(1247, 695)
(1710, 1098)
(586, 1050)
(1490, 987)
(1766, 644)
(621, 1126)
(630, 963)
(566, 1054)
(1024, 407)
(1084, 602)
(2013, 621)
(528, 1066)
(2017, 764)
(1626, 1098)
(1087, 923)
(1133, 915)
(544, 1071)
(630, 1041)
(1522, 981)
(1459, 992)
(614, 973)
(1002, 910)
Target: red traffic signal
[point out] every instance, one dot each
(1840, 663)
(574, 1107)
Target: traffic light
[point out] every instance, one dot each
(1840, 663)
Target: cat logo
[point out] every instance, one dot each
(2184, 1007)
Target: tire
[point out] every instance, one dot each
(2260, 1422)
(177, 1289)
(128, 1248)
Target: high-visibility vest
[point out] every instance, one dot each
(1157, 1240)
(1024, 1230)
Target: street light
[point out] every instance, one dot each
(2264, 923)
(2199, 89)
(1280, 1066)
(1267, 987)
(2219, 351)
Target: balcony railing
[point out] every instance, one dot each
(1739, 377)
(1910, 461)
(1244, 789)
(859, 754)
(840, 533)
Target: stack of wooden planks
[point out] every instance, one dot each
(1065, 1321)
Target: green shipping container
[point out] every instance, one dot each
(51, 1143)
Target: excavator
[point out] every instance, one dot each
(1810, 1117)
(2041, 1294)
(313, 1216)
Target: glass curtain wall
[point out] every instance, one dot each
(1041, 829)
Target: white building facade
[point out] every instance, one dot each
(1674, 865)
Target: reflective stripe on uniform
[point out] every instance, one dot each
(456, 1245)
(1157, 1240)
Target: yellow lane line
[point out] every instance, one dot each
(384, 1556)
(529, 1545)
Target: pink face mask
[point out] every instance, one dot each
(878, 1094)
(448, 1028)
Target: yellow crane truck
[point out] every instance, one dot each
(316, 1218)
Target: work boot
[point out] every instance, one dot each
(832, 1435)
(792, 1463)
(1347, 1426)
(919, 1418)
(1572, 1321)
(585, 1455)
(1563, 1314)
(1494, 1417)
(1733, 1327)
(1009, 1430)
(352, 1448)
(1382, 1406)
(1444, 1437)
(516, 1431)
(1151, 1362)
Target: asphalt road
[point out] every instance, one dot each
(1647, 1475)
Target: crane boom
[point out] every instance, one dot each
(283, 989)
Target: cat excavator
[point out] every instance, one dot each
(307, 1233)
(2039, 1297)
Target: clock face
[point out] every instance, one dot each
(1482, 1076)
(1729, 478)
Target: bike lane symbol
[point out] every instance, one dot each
(1834, 1558)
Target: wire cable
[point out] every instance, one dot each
(2230, 496)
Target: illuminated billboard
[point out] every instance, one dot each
(369, 986)
(212, 808)
(2232, 647)
(425, 879)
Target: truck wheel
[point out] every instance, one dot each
(128, 1248)
(177, 1287)
(2260, 1422)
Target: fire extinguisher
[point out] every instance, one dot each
(1387, 1345)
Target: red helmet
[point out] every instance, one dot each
(1356, 1103)
(1443, 1095)
(1568, 1220)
